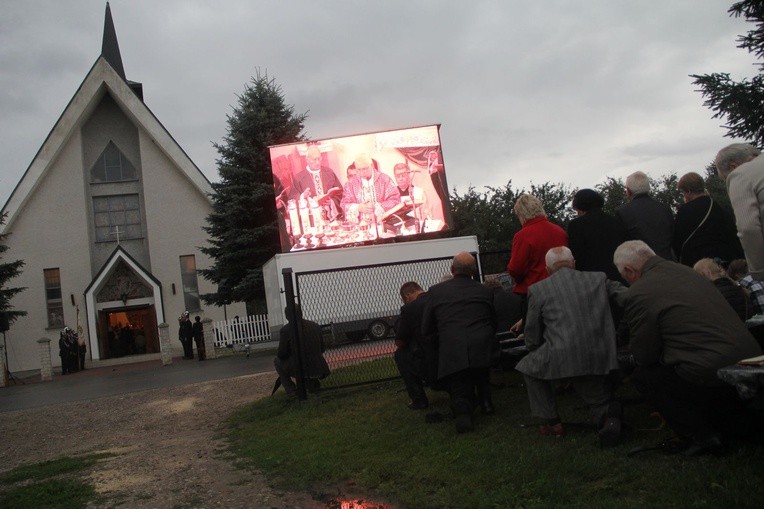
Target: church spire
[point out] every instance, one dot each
(110, 46)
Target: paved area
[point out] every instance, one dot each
(104, 381)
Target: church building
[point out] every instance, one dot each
(108, 219)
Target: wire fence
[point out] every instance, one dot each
(358, 309)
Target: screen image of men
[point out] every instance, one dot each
(413, 198)
(460, 313)
(319, 182)
(372, 191)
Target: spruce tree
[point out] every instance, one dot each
(242, 229)
(740, 101)
(8, 271)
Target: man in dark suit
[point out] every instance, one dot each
(645, 218)
(311, 348)
(571, 337)
(460, 313)
(681, 332)
(409, 355)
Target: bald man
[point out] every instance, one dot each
(319, 182)
(460, 314)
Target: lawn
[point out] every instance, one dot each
(367, 438)
(55, 484)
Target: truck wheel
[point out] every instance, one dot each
(378, 330)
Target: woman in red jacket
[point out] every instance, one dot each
(529, 246)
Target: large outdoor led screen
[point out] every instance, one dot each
(360, 189)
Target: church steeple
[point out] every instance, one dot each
(110, 46)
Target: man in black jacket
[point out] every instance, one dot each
(460, 312)
(311, 350)
(645, 218)
(410, 354)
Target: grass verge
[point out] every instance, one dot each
(367, 436)
(51, 484)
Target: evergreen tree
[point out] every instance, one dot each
(8, 271)
(740, 101)
(242, 229)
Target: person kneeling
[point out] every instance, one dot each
(311, 349)
(570, 334)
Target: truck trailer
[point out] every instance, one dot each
(352, 292)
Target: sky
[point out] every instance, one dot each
(532, 92)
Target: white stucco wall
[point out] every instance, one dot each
(50, 233)
(177, 210)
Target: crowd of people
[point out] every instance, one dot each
(72, 351)
(648, 297)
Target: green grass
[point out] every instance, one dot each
(367, 436)
(51, 484)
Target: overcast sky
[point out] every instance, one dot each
(552, 91)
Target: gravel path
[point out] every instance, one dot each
(166, 445)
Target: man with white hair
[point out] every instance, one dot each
(571, 336)
(681, 332)
(644, 218)
(743, 171)
(373, 191)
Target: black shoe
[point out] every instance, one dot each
(418, 405)
(610, 433)
(711, 445)
(464, 423)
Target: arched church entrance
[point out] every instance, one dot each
(124, 307)
(127, 331)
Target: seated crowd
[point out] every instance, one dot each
(581, 298)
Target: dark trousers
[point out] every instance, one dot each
(464, 386)
(188, 348)
(201, 350)
(410, 366)
(691, 410)
(285, 372)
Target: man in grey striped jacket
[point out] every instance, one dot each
(571, 337)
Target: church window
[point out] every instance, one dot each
(117, 217)
(112, 166)
(190, 283)
(53, 300)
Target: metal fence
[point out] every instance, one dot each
(494, 262)
(358, 310)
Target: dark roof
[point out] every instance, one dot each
(110, 46)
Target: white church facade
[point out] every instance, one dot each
(108, 219)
